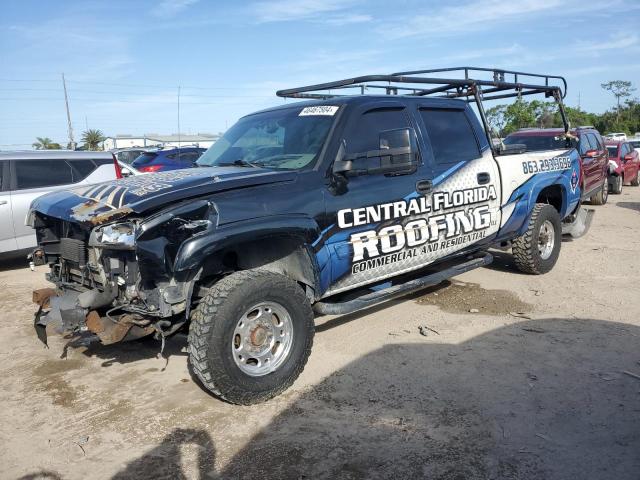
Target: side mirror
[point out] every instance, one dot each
(397, 153)
(125, 172)
(628, 157)
(591, 153)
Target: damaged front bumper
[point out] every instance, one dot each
(67, 313)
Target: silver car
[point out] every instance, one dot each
(26, 175)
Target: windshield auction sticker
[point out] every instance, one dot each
(319, 110)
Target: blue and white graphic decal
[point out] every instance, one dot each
(378, 241)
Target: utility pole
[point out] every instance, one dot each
(179, 116)
(579, 96)
(72, 144)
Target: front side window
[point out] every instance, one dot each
(42, 173)
(364, 132)
(288, 139)
(451, 136)
(593, 141)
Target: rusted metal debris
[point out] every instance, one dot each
(42, 295)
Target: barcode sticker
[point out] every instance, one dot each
(319, 110)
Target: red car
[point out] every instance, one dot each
(592, 151)
(624, 165)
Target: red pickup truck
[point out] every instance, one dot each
(590, 145)
(624, 165)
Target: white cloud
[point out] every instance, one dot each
(171, 7)
(615, 42)
(485, 15)
(290, 10)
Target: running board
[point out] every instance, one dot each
(369, 298)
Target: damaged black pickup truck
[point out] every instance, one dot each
(329, 205)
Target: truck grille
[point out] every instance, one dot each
(73, 250)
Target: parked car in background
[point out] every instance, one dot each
(128, 155)
(624, 165)
(168, 159)
(588, 142)
(635, 143)
(618, 136)
(26, 175)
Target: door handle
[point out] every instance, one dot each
(483, 178)
(424, 186)
(3, 202)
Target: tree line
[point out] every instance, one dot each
(623, 117)
(91, 140)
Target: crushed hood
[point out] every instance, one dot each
(103, 202)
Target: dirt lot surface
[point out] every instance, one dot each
(532, 386)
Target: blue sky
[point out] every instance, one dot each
(124, 60)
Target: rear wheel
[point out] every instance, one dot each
(616, 184)
(602, 196)
(537, 251)
(636, 180)
(251, 336)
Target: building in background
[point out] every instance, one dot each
(204, 140)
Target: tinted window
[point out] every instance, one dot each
(540, 143)
(145, 158)
(2, 176)
(585, 145)
(635, 144)
(593, 141)
(42, 173)
(364, 134)
(81, 169)
(613, 151)
(451, 136)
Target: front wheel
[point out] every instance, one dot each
(251, 336)
(537, 251)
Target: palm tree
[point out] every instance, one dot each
(92, 139)
(44, 143)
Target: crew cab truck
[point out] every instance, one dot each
(328, 205)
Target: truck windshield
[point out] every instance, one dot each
(288, 139)
(536, 143)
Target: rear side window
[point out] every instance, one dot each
(145, 158)
(81, 169)
(451, 136)
(4, 176)
(613, 151)
(364, 134)
(42, 173)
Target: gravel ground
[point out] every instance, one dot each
(532, 386)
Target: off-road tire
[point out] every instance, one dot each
(636, 180)
(525, 248)
(212, 327)
(616, 184)
(602, 196)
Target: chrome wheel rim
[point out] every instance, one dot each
(546, 239)
(262, 339)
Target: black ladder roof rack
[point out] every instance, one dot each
(502, 84)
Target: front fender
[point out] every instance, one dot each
(193, 252)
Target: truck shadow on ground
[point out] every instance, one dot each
(543, 399)
(630, 205)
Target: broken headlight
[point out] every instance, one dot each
(117, 234)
